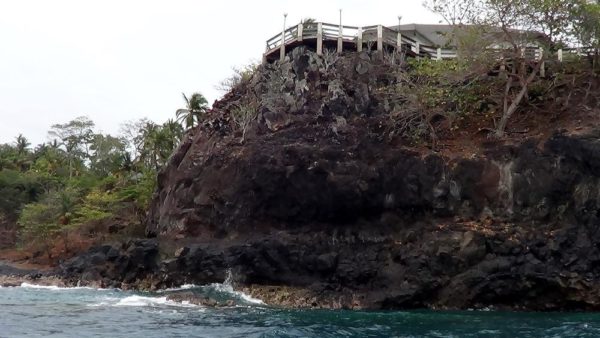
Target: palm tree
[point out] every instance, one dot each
(22, 158)
(146, 144)
(196, 105)
(174, 132)
(22, 144)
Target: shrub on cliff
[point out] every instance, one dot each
(243, 115)
(241, 76)
(516, 26)
(428, 94)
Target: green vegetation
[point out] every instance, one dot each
(241, 76)
(243, 115)
(195, 106)
(82, 177)
(518, 28)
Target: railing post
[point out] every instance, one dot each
(300, 31)
(543, 65)
(359, 40)
(379, 38)
(319, 39)
(282, 48)
(439, 54)
(560, 55)
(340, 42)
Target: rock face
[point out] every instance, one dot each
(318, 199)
(516, 226)
(113, 265)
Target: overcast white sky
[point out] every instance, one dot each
(119, 60)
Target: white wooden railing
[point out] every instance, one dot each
(380, 37)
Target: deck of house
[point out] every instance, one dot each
(321, 36)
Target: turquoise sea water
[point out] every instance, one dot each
(30, 311)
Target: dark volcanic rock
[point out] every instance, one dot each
(191, 298)
(112, 265)
(317, 198)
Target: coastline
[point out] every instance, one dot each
(12, 275)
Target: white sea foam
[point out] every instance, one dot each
(143, 301)
(57, 288)
(180, 288)
(227, 288)
(34, 286)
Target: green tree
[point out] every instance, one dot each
(195, 106)
(506, 28)
(23, 159)
(51, 161)
(107, 154)
(22, 144)
(155, 143)
(586, 27)
(75, 136)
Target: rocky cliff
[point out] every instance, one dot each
(313, 204)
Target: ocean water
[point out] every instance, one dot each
(31, 311)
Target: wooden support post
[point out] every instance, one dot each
(418, 48)
(380, 38)
(319, 39)
(282, 49)
(560, 55)
(399, 41)
(359, 40)
(439, 54)
(543, 65)
(340, 41)
(300, 31)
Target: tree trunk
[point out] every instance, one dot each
(515, 104)
(70, 167)
(509, 83)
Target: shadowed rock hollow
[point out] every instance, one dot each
(319, 206)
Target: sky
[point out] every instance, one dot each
(121, 60)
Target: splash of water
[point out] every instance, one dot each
(227, 287)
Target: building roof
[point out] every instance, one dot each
(434, 35)
(441, 35)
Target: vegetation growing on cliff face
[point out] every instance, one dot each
(516, 26)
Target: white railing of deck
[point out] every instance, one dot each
(383, 36)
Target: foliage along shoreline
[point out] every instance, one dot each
(75, 185)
